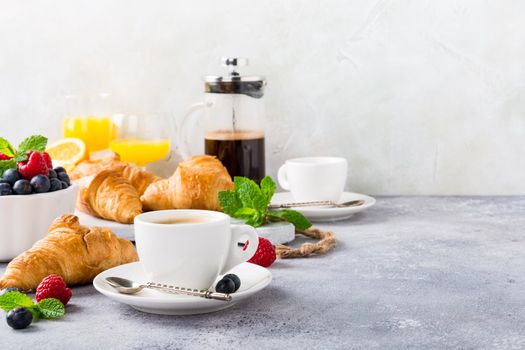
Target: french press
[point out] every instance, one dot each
(233, 120)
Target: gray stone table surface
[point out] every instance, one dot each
(411, 272)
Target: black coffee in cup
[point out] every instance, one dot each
(241, 152)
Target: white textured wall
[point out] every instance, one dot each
(422, 97)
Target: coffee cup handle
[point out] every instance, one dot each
(238, 253)
(283, 178)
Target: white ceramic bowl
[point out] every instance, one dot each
(26, 219)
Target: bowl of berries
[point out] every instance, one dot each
(32, 194)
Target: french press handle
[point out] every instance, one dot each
(182, 135)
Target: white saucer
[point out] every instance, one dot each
(323, 214)
(253, 279)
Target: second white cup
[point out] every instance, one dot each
(314, 178)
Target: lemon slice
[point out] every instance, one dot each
(68, 152)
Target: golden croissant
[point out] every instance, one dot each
(194, 185)
(139, 178)
(110, 196)
(92, 167)
(75, 252)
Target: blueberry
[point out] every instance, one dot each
(225, 285)
(5, 290)
(40, 183)
(64, 177)
(55, 184)
(5, 189)
(64, 185)
(235, 280)
(52, 174)
(22, 187)
(19, 318)
(11, 176)
(60, 169)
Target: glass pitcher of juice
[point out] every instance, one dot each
(96, 132)
(142, 139)
(89, 120)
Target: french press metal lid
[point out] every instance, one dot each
(234, 82)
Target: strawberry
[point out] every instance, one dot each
(265, 254)
(53, 286)
(47, 159)
(34, 165)
(4, 156)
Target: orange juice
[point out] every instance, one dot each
(96, 132)
(141, 151)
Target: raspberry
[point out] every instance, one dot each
(47, 159)
(265, 254)
(34, 165)
(4, 156)
(53, 286)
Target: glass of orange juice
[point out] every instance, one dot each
(142, 139)
(88, 118)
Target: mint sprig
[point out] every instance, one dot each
(47, 308)
(35, 143)
(249, 201)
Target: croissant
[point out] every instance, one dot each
(139, 178)
(75, 252)
(92, 167)
(194, 185)
(110, 196)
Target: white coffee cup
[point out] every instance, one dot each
(314, 178)
(191, 254)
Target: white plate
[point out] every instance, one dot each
(277, 232)
(323, 214)
(253, 279)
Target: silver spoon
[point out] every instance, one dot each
(331, 204)
(125, 286)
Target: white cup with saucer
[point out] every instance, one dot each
(191, 248)
(314, 178)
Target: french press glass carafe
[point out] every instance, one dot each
(233, 121)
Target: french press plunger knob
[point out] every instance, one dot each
(233, 62)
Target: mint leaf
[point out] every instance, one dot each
(51, 308)
(230, 203)
(245, 213)
(7, 164)
(238, 181)
(10, 300)
(36, 143)
(256, 220)
(292, 216)
(250, 195)
(268, 188)
(6, 148)
(20, 157)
